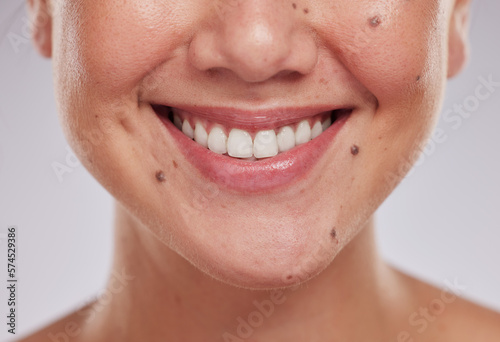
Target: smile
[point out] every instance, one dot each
(240, 143)
(252, 151)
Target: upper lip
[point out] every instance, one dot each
(257, 119)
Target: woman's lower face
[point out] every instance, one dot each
(268, 180)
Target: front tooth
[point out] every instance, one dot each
(177, 122)
(239, 144)
(200, 135)
(187, 129)
(217, 140)
(286, 139)
(303, 133)
(327, 123)
(316, 130)
(265, 144)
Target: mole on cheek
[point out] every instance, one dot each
(374, 21)
(333, 233)
(294, 5)
(174, 163)
(160, 176)
(354, 150)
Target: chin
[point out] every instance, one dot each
(254, 258)
(260, 274)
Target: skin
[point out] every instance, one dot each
(201, 255)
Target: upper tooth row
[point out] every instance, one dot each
(239, 144)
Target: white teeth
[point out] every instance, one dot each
(177, 122)
(239, 144)
(187, 129)
(316, 130)
(217, 140)
(200, 135)
(265, 144)
(286, 139)
(303, 133)
(327, 123)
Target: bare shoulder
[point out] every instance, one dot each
(442, 314)
(474, 322)
(68, 328)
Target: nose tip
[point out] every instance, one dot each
(256, 44)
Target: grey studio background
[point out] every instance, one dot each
(441, 224)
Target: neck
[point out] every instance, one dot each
(158, 294)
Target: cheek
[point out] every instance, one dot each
(397, 50)
(114, 44)
(394, 48)
(103, 50)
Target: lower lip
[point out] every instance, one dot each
(260, 176)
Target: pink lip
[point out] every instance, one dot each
(256, 176)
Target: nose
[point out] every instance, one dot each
(255, 39)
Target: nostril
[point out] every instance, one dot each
(288, 74)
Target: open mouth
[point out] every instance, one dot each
(246, 141)
(253, 151)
